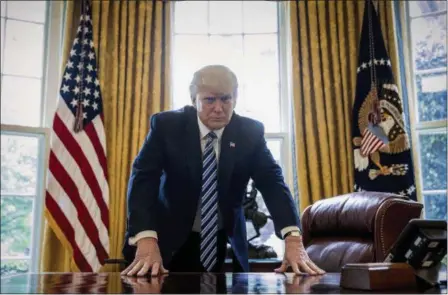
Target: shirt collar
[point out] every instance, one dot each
(204, 130)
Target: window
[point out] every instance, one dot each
(248, 37)
(427, 31)
(30, 39)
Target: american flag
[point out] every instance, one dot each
(77, 196)
(373, 138)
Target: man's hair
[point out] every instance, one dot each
(214, 77)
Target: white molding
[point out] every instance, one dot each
(53, 58)
(430, 14)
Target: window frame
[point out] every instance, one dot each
(285, 60)
(53, 36)
(418, 128)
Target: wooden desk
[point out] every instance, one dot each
(177, 283)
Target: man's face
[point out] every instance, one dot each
(214, 109)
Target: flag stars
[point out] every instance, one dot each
(80, 66)
(84, 115)
(89, 79)
(96, 94)
(76, 41)
(76, 90)
(70, 64)
(92, 55)
(85, 103)
(411, 190)
(97, 82)
(74, 102)
(65, 88)
(85, 42)
(67, 76)
(89, 67)
(388, 63)
(78, 78)
(86, 91)
(72, 52)
(86, 30)
(95, 106)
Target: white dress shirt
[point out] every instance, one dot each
(203, 131)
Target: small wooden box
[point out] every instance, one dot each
(378, 276)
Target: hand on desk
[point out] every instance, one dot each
(296, 257)
(147, 259)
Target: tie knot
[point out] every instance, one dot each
(211, 136)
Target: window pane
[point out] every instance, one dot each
(435, 206)
(226, 17)
(17, 222)
(417, 8)
(19, 155)
(433, 156)
(24, 48)
(431, 95)
(190, 53)
(9, 267)
(21, 101)
(261, 59)
(191, 17)
(429, 42)
(260, 16)
(261, 102)
(27, 10)
(275, 146)
(228, 51)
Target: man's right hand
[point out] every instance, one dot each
(147, 258)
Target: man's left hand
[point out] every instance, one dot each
(296, 257)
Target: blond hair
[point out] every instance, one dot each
(215, 78)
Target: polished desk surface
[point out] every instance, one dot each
(173, 283)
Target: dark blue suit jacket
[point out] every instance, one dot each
(165, 182)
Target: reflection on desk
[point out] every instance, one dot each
(177, 283)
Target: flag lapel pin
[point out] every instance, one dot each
(232, 144)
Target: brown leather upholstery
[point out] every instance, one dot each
(356, 227)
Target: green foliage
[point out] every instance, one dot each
(433, 153)
(14, 266)
(16, 225)
(435, 206)
(18, 164)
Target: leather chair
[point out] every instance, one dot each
(355, 228)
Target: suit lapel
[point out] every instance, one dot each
(193, 153)
(227, 157)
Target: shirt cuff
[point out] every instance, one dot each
(143, 234)
(287, 229)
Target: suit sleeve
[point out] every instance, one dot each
(144, 182)
(268, 178)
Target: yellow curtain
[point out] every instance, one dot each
(324, 39)
(133, 52)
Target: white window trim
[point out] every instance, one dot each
(51, 79)
(418, 128)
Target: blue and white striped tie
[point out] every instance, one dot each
(209, 204)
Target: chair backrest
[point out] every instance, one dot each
(355, 228)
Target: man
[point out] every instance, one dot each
(188, 181)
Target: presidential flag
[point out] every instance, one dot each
(77, 196)
(381, 147)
